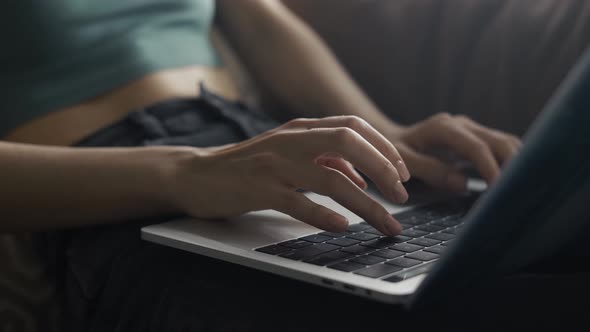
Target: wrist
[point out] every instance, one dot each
(174, 166)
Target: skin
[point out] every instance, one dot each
(81, 186)
(291, 54)
(97, 184)
(310, 154)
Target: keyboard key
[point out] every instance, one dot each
(368, 260)
(343, 242)
(406, 247)
(334, 235)
(404, 215)
(446, 222)
(362, 236)
(274, 249)
(429, 228)
(423, 256)
(310, 251)
(415, 220)
(373, 231)
(451, 230)
(295, 244)
(378, 270)
(413, 233)
(329, 258)
(448, 243)
(383, 242)
(346, 266)
(441, 236)
(358, 250)
(315, 238)
(436, 249)
(457, 218)
(294, 255)
(442, 213)
(403, 262)
(358, 227)
(387, 253)
(425, 242)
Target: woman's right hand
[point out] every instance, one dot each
(315, 154)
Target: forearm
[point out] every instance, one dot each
(45, 187)
(294, 64)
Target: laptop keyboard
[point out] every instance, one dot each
(428, 230)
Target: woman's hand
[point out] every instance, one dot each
(315, 154)
(487, 149)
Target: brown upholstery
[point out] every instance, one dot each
(495, 60)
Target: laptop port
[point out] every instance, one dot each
(328, 282)
(349, 287)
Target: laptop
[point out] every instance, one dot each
(537, 208)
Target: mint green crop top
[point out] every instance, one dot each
(60, 52)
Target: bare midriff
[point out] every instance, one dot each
(70, 124)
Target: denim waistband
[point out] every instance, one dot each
(194, 121)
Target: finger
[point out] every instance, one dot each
(368, 132)
(433, 171)
(302, 208)
(344, 167)
(341, 189)
(504, 146)
(470, 147)
(516, 141)
(351, 146)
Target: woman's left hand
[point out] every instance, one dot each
(487, 149)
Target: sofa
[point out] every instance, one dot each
(497, 61)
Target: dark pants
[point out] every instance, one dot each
(114, 281)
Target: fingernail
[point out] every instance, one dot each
(403, 170)
(400, 193)
(393, 226)
(337, 223)
(457, 182)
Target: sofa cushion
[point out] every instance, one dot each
(497, 61)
